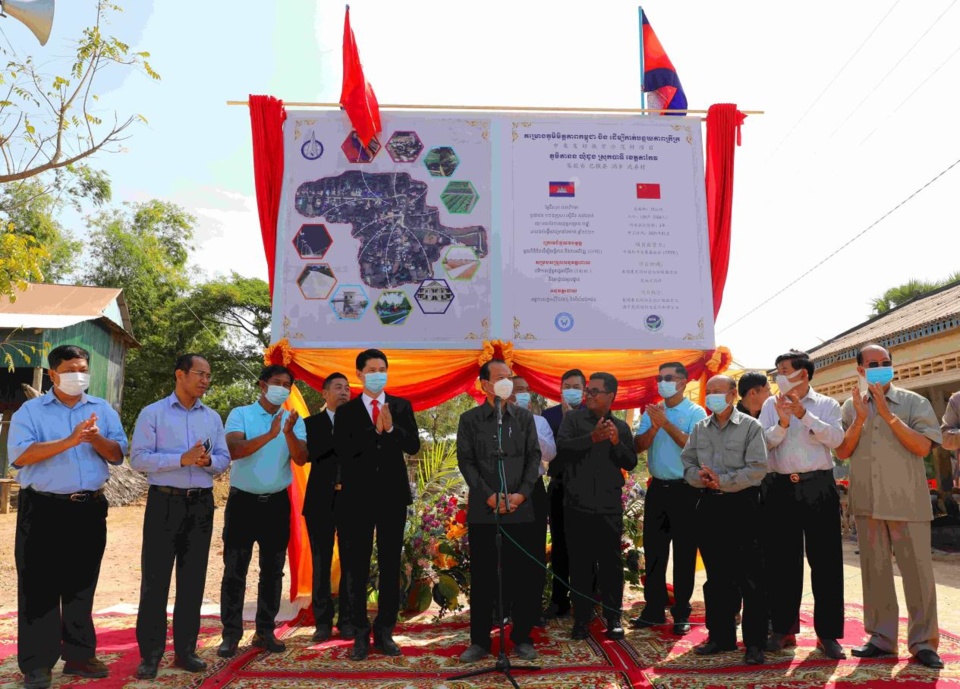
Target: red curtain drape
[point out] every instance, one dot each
(266, 122)
(723, 133)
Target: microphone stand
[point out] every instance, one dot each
(503, 662)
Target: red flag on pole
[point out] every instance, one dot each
(357, 97)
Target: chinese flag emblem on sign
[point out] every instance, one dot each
(648, 191)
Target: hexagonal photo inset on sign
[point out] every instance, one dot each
(393, 307)
(434, 296)
(350, 302)
(460, 262)
(404, 147)
(441, 161)
(459, 197)
(356, 152)
(312, 241)
(316, 281)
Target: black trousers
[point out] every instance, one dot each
(729, 532)
(804, 516)
(521, 583)
(669, 514)
(176, 532)
(356, 543)
(321, 528)
(559, 557)
(58, 548)
(249, 519)
(593, 541)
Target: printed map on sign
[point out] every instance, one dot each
(401, 238)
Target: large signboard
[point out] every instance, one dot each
(556, 232)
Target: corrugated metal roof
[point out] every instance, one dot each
(942, 305)
(58, 306)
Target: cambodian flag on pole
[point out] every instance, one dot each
(357, 96)
(660, 81)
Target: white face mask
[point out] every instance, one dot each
(786, 385)
(74, 384)
(503, 388)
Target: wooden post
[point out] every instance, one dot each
(37, 379)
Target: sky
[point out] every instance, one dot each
(856, 98)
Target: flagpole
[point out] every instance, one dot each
(643, 94)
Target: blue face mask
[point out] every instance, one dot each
(523, 400)
(573, 397)
(717, 402)
(375, 382)
(667, 389)
(277, 394)
(881, 375)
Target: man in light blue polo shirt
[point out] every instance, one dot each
(670, 503)
(263, 439)
(61, 444)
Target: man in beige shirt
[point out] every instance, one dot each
(950, 425)
(888, 432)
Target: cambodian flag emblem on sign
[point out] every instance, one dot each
(648, 191)
(562, 189)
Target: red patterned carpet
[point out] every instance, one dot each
(650, 658)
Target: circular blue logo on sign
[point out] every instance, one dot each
(653, 322)
(563, 321)
(311, 149)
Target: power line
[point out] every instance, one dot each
(836, 76)
(883, 79)
(841, 247)
(232, 355)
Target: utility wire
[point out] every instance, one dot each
(235, 358)
(883, 79)
(815, 100)
(841, 247)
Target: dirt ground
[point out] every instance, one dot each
(120, 573)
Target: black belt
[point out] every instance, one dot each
(670, 481)
(182, 492)
(713, 491)
(804, 475)
(261, 497)
(745, 491)
(79, 496)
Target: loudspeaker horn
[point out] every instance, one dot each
(36, 15)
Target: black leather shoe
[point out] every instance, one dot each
(228, 648)
(868, 650)
(709, 648)
(37, 679)
(641, 623)
(681, 627)
(754, 656)
(615, 630)
(930, 659)
(579, 632)
(361, 648)
(190, 662)
(91, 668)
(831, 649)
(778, 642)
(383, 642)
(147, 669)
(323, 633)
(268, 642)
(348, 632)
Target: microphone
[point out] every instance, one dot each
(498, 403)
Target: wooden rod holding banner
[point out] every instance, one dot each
(505, 108)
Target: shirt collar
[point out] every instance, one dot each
(491, 411)
(381, 398)
(49, 397)
(735, 418)
(174, 401)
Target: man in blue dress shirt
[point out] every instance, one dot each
(670, 504)
(61, 444)
(179, 443)
(263, 439)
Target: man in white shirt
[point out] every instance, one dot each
(802, 506)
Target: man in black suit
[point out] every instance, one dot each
(371, 435)
(318, 511)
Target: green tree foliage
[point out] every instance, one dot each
(31, 210)
(21, 258)
(49, 114)
(440, 422)
(901, 294)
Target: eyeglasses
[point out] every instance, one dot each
(669, 378)
(202, 375)
(876, 364)
(593, 392)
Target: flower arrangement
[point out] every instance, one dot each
(632, 545)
